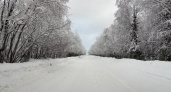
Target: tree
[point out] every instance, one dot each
(33, 29)
(142, 28)
(134, 50)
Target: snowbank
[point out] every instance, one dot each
(17, 74)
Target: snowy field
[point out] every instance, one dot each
(86, 74)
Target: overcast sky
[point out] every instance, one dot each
(90, 17)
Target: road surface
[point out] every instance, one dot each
(97, 74)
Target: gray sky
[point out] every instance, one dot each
(90, 17)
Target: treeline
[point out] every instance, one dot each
(36, 29)
(141, 30)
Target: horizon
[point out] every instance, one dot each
(89, 20)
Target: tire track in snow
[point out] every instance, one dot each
(113, 78)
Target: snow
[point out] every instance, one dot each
(86, 74)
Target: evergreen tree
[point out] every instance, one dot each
(134, 50)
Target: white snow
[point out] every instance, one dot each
(86, 74)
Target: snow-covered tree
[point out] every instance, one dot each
(134, 50)
(33, 29)
(156, 26)
(142, 25)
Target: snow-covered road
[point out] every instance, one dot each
(90, 74)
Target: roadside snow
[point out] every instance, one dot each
(156, 68)
(86, 74)
(18, 74)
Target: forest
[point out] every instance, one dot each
(141, 30)
(37, 29)
(41, 29)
